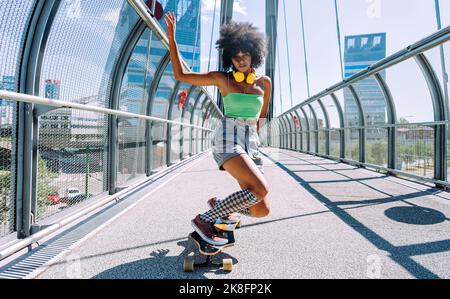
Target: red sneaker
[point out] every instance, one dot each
(207, 231)
(230, 219)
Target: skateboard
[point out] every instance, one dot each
(208, 250)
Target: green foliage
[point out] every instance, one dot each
(377, 152)
(44, 188)
(5, 183)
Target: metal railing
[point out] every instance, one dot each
(14, 96)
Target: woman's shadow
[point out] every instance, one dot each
(161, 265)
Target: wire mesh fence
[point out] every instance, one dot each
(72, 158)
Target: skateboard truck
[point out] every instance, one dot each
(226, 264)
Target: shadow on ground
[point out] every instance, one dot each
(161, 265)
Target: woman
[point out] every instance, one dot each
(246, 100)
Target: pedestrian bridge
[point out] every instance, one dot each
(106, 158)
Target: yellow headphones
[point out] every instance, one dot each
(240, 76)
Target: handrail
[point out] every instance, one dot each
(411, 51)
(20, 97)
(141, 9)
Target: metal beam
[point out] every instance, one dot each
(327, 124)
(316, 129)
(271, 32)
(341, 124)
(226, 14)
(27, 126)
(191, 133)
(308, 132)
(362, 124)
(391, 119)
(171, 100)
(151, 98)
(183, 112)
(440, 114)
(117, 75)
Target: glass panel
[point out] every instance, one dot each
(304, 126)
(333, 115)
(188, 109)
(335, 143)
(131, 151)
(352, 144)
(296, 128)
(319, 114)
(286, 132)
(437, 61)
(313, 128)
(14, 19)
(160, 109)
(372, 100)
(322, 142)
(188, 31)
(321, 126)
(375, 113)
(415, 148)
(410, 93)
(137, 79)
(350, 109)
(70, 159)
(198, 122)
(84, 44)
(177, 109)
(377, 146)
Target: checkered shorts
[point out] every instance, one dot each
(236, 136)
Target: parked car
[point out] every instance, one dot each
(70, 194)
(54, 198)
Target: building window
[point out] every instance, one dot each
(351, 43)
(364, 41)
(377, 41)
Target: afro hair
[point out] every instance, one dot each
(241, 36)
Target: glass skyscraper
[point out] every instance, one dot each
(360, 52)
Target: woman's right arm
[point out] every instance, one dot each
(198, 79)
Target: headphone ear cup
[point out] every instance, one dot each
(251, 77)
(238, 76)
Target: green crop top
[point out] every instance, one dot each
(243, 105)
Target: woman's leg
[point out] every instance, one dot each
(253, 196)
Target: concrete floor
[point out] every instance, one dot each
(328, 220)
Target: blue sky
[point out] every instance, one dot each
(404, 21)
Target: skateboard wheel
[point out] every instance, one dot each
(188, 265)
(238, 225)
(227, 265)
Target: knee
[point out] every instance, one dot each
(261, 211)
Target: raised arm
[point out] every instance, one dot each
(180, 73)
